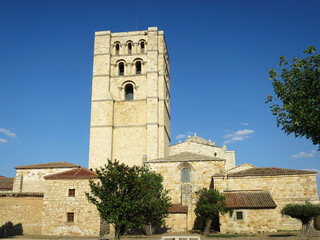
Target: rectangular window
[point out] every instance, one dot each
(70, 217)
(72, 192)
(239, 215)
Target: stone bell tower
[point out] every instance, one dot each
(130, 107)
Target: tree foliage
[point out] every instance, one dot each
(209, 204)
(155, 201)
(122, 196)
(297, 101)
(305, 213)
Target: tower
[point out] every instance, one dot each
(130, 107)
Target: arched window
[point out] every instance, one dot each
(117, 48)
(138, 67)
(185, 175)
(129, 48)
(142, 47)
(121, 68)
(128, 92)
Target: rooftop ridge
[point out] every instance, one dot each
(266, 171)
(60, 164)
(186, 156)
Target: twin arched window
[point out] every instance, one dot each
(185, 175)
(137, 64)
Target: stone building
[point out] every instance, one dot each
(130, 121)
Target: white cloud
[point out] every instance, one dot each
(228, 136)
(244, 124)
(311, 154)
(239, 135)
(181, 136)
(244, 132)
(3, 140)
(7, 132)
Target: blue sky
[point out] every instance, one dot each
(220, 53)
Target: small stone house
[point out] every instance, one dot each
(66, 210)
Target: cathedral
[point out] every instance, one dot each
(130, 122)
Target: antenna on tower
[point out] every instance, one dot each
(137, 22)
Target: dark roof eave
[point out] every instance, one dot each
(271, 207)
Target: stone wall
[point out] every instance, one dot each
(57, 204)
(24, 209)
(31, 180)
(205, 149)
(254, 221)
(177, 222)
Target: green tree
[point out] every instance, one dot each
(305, 213)
(209, 204)
(297, 101)
(156, 203)
(121, 196)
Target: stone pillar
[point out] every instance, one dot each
(101, 129)
(17, 184)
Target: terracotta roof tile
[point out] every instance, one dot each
(267, 171)
(78, 173)
(49, 165)
(254, 200)
(6, 183)
(177, 208)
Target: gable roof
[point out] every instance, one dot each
(266, 171)
(186, 156)
(253, 200)
(6, 183)
(49, 165)
(78, 173)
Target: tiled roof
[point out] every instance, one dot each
(177, 208)
(186, 156)
(21, 194)
(6, 183)
(49, 165)
(78, 173)
(249, 200)
(269, 171)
